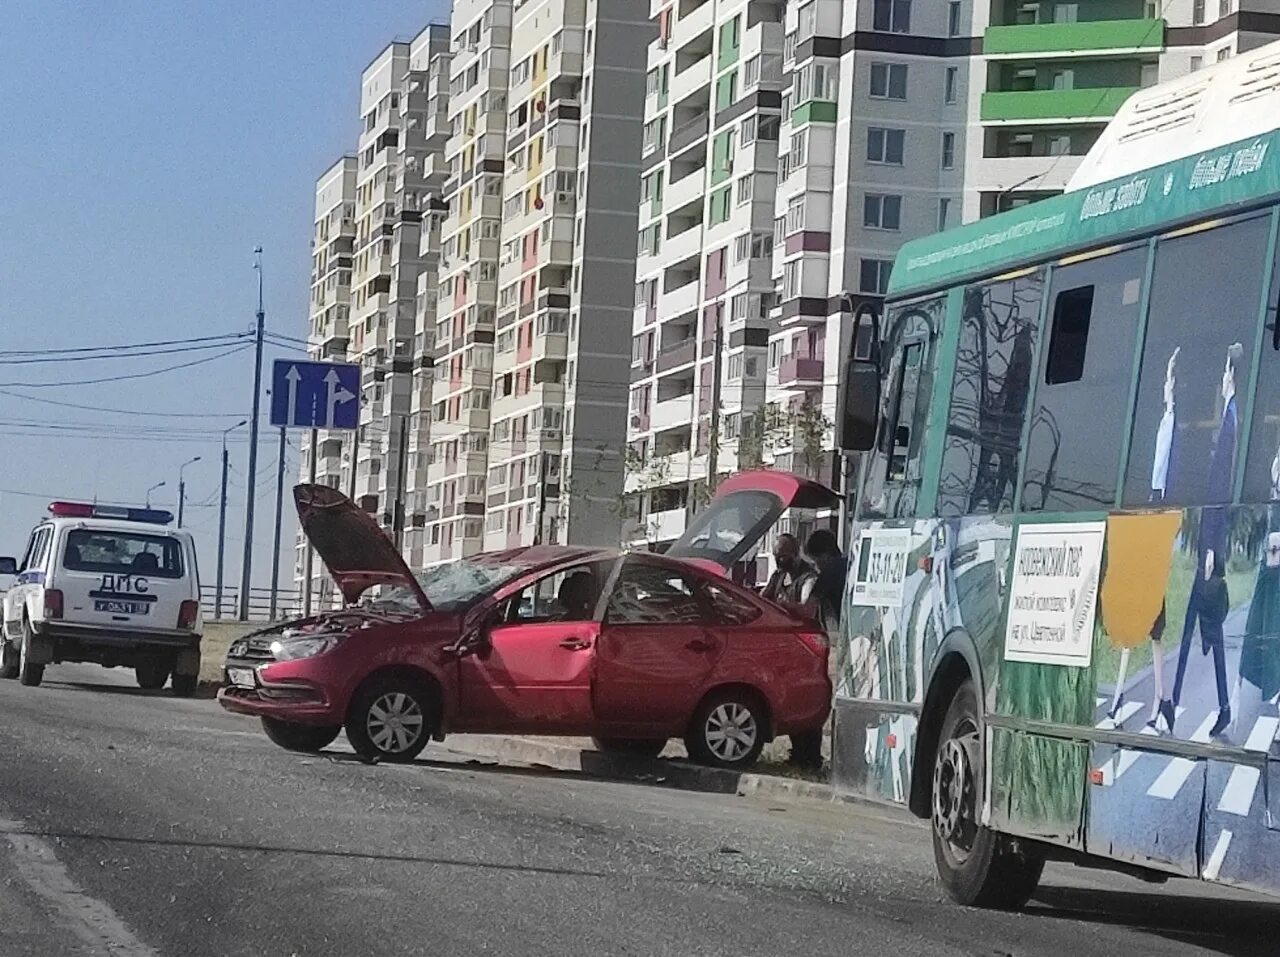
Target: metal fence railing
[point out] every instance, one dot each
(288, 604)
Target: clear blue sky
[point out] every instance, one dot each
(147, 147)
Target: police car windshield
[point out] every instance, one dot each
(122, 553)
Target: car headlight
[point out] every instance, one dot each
(296, 648)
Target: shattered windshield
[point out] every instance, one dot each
(452, 587)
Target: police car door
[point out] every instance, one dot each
(31, 573)
(122, 578)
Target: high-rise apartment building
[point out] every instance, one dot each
(377, 230)
(884, 120)
(538, 258)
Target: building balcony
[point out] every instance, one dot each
(1054, 106)
(799, 372)
(688, 189)
(676, 355)
(672, 413)
(690, 80)
(679, 301)
(1083, 39)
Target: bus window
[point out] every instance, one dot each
(892, 479)
(1205, 296)
(1262, 468)
(989, 396)
(1073, 453)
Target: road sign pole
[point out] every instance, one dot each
(306, 585)
(275, 550)
(246, 563)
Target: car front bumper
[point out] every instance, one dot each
(293, 699)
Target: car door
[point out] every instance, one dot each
(532, 672)
(657, 648)
(30, 577)
(117, 577)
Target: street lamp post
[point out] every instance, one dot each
(182, 486)
(246, 568)
(158, 485)
(222, 518)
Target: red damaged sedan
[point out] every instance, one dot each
(629, 648)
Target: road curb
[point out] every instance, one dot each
(670, 772)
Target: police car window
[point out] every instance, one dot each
(40, 547)
(122, 553)
(29, 559)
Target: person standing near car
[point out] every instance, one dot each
(793, 579)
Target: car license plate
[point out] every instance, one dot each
(114, 606)
(241, 677)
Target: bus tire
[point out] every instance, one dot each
(978, 867)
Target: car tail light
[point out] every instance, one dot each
(187, 614)
(815, 641)
(52, 603)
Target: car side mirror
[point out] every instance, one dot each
(861, 398)
(8, 566)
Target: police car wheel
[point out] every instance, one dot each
(151, 676)
(29, 674)
(9, 660)
(184, 686)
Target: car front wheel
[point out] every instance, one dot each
(9, 658)
(306, 738)
(728, 730)
(977, 866)
(391, 719)
(29, 674)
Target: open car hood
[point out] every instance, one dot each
(357, 553)
(743, 510)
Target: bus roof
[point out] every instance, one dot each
(1117, 193)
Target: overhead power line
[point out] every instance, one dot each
(121, 354)
(131, 375)
(127, 345)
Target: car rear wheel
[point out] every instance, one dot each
(641, 747)
(728, 730)
(29, 674)
(977, 866)
(152, 675)
(392, 719)
(184, 686)
(9, 657)
(306, 738)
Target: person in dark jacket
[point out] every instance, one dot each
(1214, 604)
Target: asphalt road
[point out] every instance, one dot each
(135, 825)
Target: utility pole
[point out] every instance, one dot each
(246, 564)
(402, 479)
(713, 448)
(355, 457)
(222, 519)
(275, 551)
(310, 560)
(542, 497)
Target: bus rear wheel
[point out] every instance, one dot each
(977, 866)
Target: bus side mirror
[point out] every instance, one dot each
(861, 399)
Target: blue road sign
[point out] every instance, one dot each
(315, 395)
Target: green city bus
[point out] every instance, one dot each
(1061, 629)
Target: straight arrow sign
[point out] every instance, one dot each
(293, 376)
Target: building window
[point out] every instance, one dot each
(751, 73)
(1224, 8)
(1224, 54)
(873, 275)
(885, 145)
(944, 207)
(948, 151)
(1197, 12)
(735, 366)
(807, 22)
(795, 215)
(881, 211)
(949, 84)
(745, 189)
(791, 279)
(747, 132)
(953, 19)
(889, 81)
(1196, 63)
(892, 16)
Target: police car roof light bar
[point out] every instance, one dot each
(152, 516)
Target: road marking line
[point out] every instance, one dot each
(1176, 772)
(1217, 857)
(1127, 711)
(1263, 733)
(1237, 796)
(1098, 703)
(89, 919)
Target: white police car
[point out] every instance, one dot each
(109, 585)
